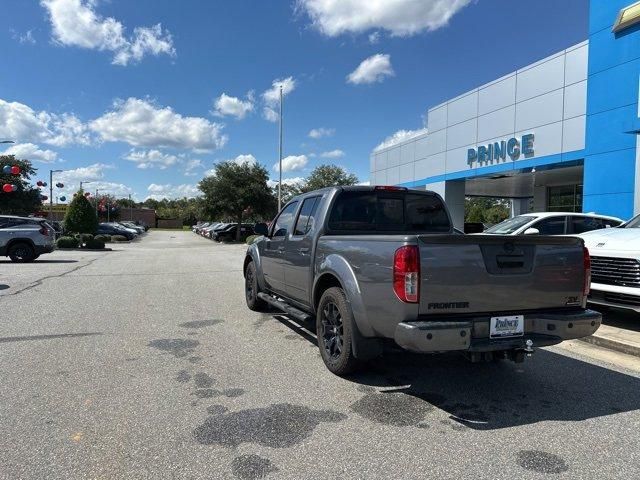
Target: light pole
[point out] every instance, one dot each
(130, 209)
(96, 200)
(7, 141)
(51, 172)
(280, 157)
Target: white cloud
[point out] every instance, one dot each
(321, 132)
(232, 106)
(374, 38)
(337, 153)
(75, 23)
(24, 38)
(286, 181)
(95, 174)
(245, 159)
(364, 184)
(211, 172)
(271, 97)
(160, 192)
(150, 158)
(191, 166)
(373, 69)
(30, 151)
(20, 122)
(292, 163)
(400, 136)
(141, 123)
(398, 17)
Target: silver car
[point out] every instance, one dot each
(23, 239)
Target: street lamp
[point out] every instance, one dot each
(51, 172)
(7, 141)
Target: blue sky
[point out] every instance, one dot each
(130, 94)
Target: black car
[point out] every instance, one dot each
(104, 229)
(229, 233)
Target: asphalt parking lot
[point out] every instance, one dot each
(144, 362)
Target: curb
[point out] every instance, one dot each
(609, 342)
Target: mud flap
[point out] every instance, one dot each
(364, 348)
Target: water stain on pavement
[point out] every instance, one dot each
(393, 408)
(183, 376)
(541, 462)
(195, 359)
(202, 380)
(279, 425)
(247, 467)
(178, 347)
(233, 392)
(206, 393)
(200, 323)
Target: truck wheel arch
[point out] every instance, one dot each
(13, 241)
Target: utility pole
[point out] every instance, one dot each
(280, 157)
(130, 209)
(96, 200)
(51, 172)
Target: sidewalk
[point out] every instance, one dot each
(618, 339)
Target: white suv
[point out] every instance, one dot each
(615, 265)
(23, 239)
(553, 223)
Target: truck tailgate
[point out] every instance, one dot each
(494, 273)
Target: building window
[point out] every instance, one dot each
(565, 198)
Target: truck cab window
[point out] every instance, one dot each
(307, 215)
(284, 221)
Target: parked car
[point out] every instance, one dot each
(119, 225)
(615, 265)
(110, 229)
(553, 223)
(139, 229)
(24, 239)
(369, 264)
(200, 226)
(230, 232)
(211, 229)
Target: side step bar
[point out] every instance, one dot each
(286, 308)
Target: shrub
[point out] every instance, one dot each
(81, 216)
(252, 238)
(103, 238)
(118, 238)
(94, 243)
(67, 242)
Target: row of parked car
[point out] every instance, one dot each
(24, 239)
(223, 232)
(129, 230)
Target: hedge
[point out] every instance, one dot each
(119, 238)
(94, 244)
(103, 238)
(67, 242)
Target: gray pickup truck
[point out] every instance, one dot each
(369, 265)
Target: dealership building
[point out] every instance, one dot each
(562, 134)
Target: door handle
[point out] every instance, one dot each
(280, 249)
(303, 250)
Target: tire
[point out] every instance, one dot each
(251, 289)
(21, 253)
(334, 322)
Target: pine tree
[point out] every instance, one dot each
(81, 216)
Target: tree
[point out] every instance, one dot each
(486, 210)
(26, 199)
(238, 191)
(289, 190)
(328, 176)
(108, 207)
(81, 215)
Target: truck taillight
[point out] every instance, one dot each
(406, 273)
(587, 271)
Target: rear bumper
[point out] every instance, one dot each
(472, 334)
(40, 249)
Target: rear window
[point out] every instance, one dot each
(371, 211)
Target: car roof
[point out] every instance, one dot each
(37, 219)
(562, 214)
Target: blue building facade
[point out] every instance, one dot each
(561, 134)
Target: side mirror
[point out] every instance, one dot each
(532, 231)
(261, 229)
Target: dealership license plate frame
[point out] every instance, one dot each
(517, 331)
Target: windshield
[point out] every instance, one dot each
(633, 223)
(510, 225)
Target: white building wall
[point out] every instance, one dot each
(547, 98)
